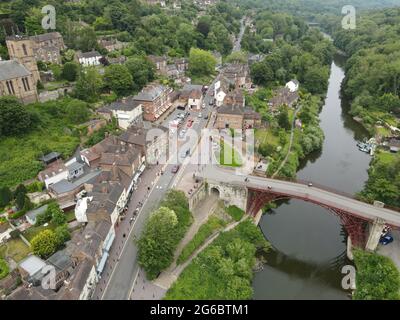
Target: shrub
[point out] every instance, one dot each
(235, 212)
(45, 243)
(4, 270)
(377, 277)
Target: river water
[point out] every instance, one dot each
(309, 242)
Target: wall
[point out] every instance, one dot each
(231, 195)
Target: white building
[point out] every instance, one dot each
(127, 111)
(54, 173)
(292, 85)
(88, 59)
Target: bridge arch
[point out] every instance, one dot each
(356, 227)
(215, 192)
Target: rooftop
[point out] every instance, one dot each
(11, 69)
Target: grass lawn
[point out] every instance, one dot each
(266, 136)
(235, 212)
(30, 233)
(17, 250)
(228, 156)
(205, 231)
(70, 215)
(385, 157)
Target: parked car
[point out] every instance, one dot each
(206, 117)
(386, 239)
(175, 169)
(182, 133)
(190, 123)
(184, 154)
(181, 107)
(200, 115)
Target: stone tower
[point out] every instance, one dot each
(20, 48)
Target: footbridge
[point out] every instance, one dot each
(363, 222)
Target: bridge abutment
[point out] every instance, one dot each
(375, 233)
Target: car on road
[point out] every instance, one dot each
(203, 105)
(310, 184)
(200, 115)
(211, 102)
(182, 133)
(189, 123)
(386, 239)
(206, 117)
(184, 154)
(175, 169)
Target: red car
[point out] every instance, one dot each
(175, 169)
(189, 123)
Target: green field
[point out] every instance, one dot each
(228, 156)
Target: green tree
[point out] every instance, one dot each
(77, 111)
(283, 119)
(70, 71)
(56, 215)
(62, 233)
(89, 85)
(377, 277)
(118, 79)
(201, 62)
(5, 196)
(156, 247)
(14, 117)
(142, 71)
(45, 243)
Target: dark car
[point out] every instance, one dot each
(386, 239)
(181, 108)
(175, 169)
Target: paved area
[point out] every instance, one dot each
(392, 250)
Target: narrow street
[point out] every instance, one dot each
(122, 277)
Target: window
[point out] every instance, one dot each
(24, 49)
(25, 82)
(10, 87)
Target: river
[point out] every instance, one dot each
(309, 242)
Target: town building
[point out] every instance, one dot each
(156, 100)
(292, 85)
(151, 140)
(22, 50)
(127, 111)
(111, 44)
(283, 96)
(88, 59)
(48, 46)
(160, 62)
(238, 74)
(236, 116)
(18, 81)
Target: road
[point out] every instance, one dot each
(237, 45)
(124, 271)
(303, 191)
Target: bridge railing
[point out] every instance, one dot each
(333, 190)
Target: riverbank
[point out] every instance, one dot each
(224, 270)
(309, 242)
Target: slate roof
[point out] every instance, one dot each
(11, 69)
(150, 93)
(126, 104)
(46, 36)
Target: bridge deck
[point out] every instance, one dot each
(302, 191)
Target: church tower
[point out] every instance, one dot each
(20, 48)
